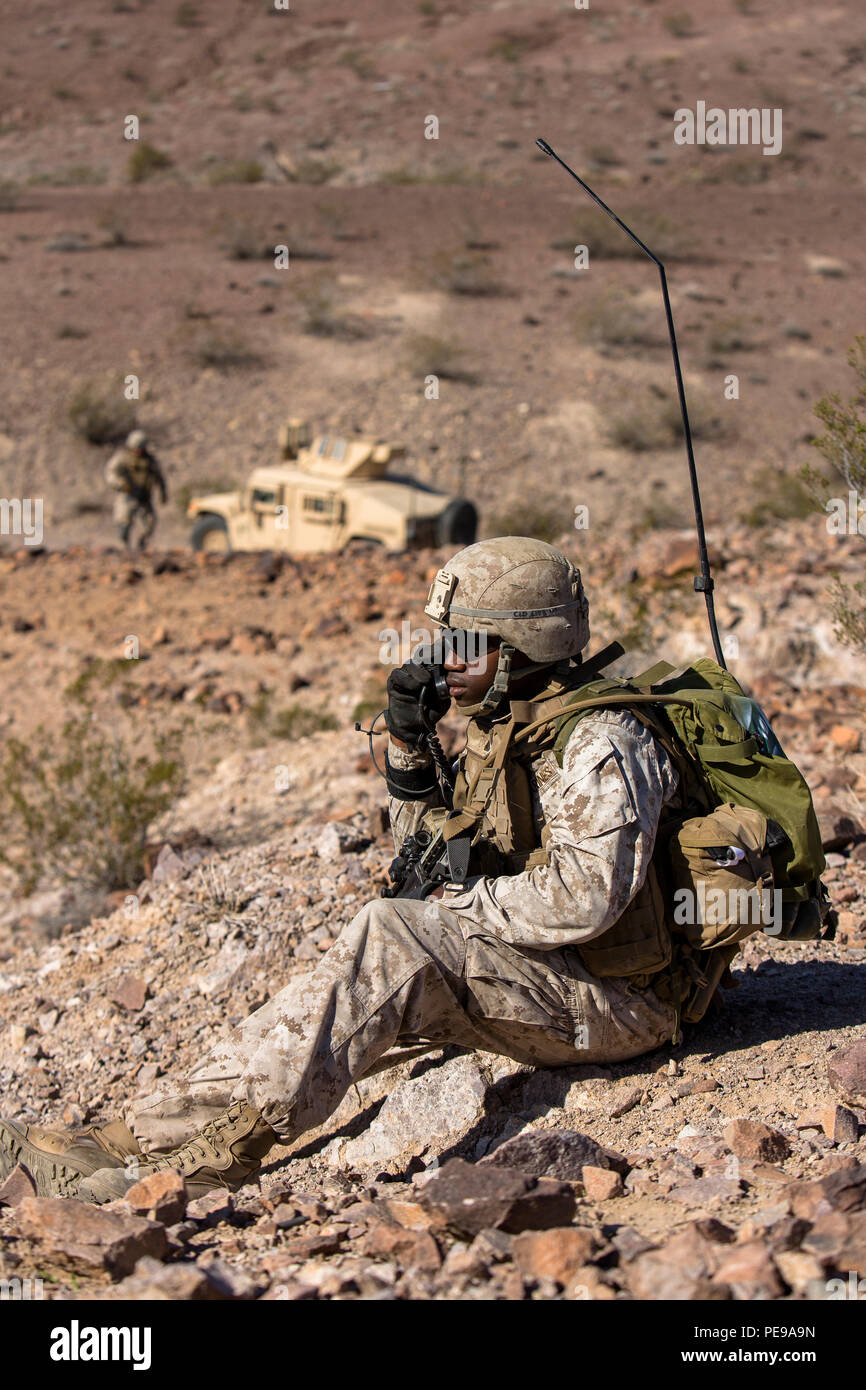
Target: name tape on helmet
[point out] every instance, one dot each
(501, 613)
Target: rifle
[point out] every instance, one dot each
(421, 866)
(426, 860)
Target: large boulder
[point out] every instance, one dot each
(423, 1114)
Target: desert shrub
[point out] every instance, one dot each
(729, 335)
(640, 426)
(546, 518)
(373, 698)
(606, 241)
(297, 721)
(616, 320)
(9, 195)
(321, 319)
(681, 24)
(222, 349)
(101, 414)
(359, 63)
(512, 45)
(316, 171)
(235, 171)
(463, 272)
(605, 156)
(242, 241)
(428, 355)
(652, 420)
(780, 497)
(186, 16)
(843, 447)
(112, 223)
(70, 176)
(71, 330)
(76, 804)
(745, 170)
(145, 161)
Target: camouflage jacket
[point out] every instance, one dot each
(129, 472)
(601, 811)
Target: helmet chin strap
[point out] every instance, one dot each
(496, 694)
(501, 680)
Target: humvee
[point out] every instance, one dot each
(325, 492)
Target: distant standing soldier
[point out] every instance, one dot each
(132, 472)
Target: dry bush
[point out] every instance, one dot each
(843, 448)
(100, 413)
(606, 241)
(297, 721)
(235, 171)
(78, 802)
(545, 518)
(145, 161)
(322, 320)
(465, 273)
(781, 497)
(222, 349)
(427, 355)
(242, 241)
(681, 24)
(653, 420)
(726, 336)
(615, 320)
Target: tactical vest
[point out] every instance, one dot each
(137, 470)
(493, 800)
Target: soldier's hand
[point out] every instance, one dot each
(405, 717)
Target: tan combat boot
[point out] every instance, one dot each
(227, 1152)
(57, 1160)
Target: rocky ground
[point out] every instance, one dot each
(730, 1166)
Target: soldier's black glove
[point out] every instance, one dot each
(405, 717)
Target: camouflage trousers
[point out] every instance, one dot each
(403, 971)
(128, 510)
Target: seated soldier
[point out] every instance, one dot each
(546, 952)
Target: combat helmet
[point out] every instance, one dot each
(136, 439)
(519, 589)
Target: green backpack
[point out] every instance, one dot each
(723, 742)
(746, 826)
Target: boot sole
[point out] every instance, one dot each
(52, 1178)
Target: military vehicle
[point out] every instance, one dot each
(328, 491)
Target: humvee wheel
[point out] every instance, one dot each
(210, 533)
(458, 524)
(362, 545)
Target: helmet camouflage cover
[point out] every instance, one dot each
(520, 589)
(136, 439)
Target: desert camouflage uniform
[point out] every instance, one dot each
(491, 965)
(133, 476)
